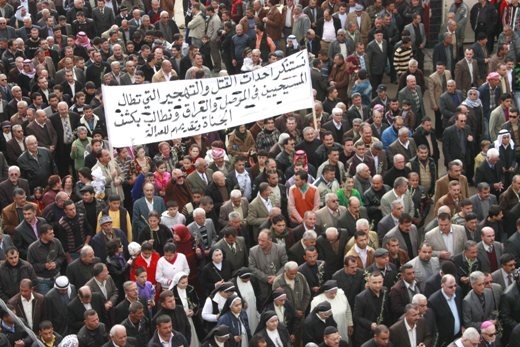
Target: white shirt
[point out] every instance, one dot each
(267, 203)
(166, 343)
(470, 67)
(275, 337)
(329, 32)
(101, 286)
(28, 309)
(448, 241)
(412, 334)
(362, 255)
(149, 204)
(166, 271)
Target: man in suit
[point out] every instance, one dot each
(203, 230)
(404, 145)
(314, 12)
(24, 234)
(458, 142)
(424, 264)
(297, 250)
(490, 171)
(141, 210)
(446, 303)
(234, 248)
(368, 307)
(402, 292)
(200, 178)
(406, 233)
(10, 214)
(376, 53)
(70, 85)
(478, 305)
(504, 275)
(418, 38)
(413, 93)
(103, 17)
(362, 20)
(467, 262)
(354, 212)
(13, 181)
(499, 116)
(330, 214)
(489, 250)
(260, 208)
(266, 260)
(118, 337)
(436, 237)
(43, 130)
(235, 202)
(77, 73)
(16, 145)
(77, 307)
(357, 110)
(466, 72)
(443, 53)
(102, 283)
(482, 200)
(337, 125)
(64, 123)
(399, 332)
(437, 85)
(448, 102)
(32, 302)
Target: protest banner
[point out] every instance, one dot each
(140, 114)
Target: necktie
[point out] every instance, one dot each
(203, 176)
(103, 289)
(234, 249)
(67, 131)
(509, 280)
(443, 81)
(102, 11)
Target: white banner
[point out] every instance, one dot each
(140, 114)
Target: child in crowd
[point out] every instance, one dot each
(145, 288)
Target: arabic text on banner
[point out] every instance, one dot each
(140, 114)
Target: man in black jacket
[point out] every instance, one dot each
(77, 308)
(176, 313)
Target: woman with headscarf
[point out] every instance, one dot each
(186, 245)
(236, 319)
(219, 336)
(315, 323)
(246, 287)
(214, 304)
(283, 309)
(274, 332)
(186, 296)
(215, 272)
(506, 146)
(341, 311)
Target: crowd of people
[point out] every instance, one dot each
(305, 229)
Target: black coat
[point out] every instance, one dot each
(510, 309)
(485, 173)
(333, 261)
(368, 308)
(443, 316)
(75, 311)
(313, 328)
(179, 320)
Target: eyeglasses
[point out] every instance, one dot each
(509, 116)
(490, 334)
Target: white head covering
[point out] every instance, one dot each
(69, 341)
(501, 134)
(177, 278)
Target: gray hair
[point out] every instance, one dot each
(470, 334)
(22, 103)
(417, 298)
(403, 131)
(199, 212)
(116, 328)
(400, 181)
(329, 196)
(290, 265)
(476, 276)
(309, 235)
(361, 167)
(235, 194)
(85, 250)
(234, 215)
(362, 222)
(492, 153)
